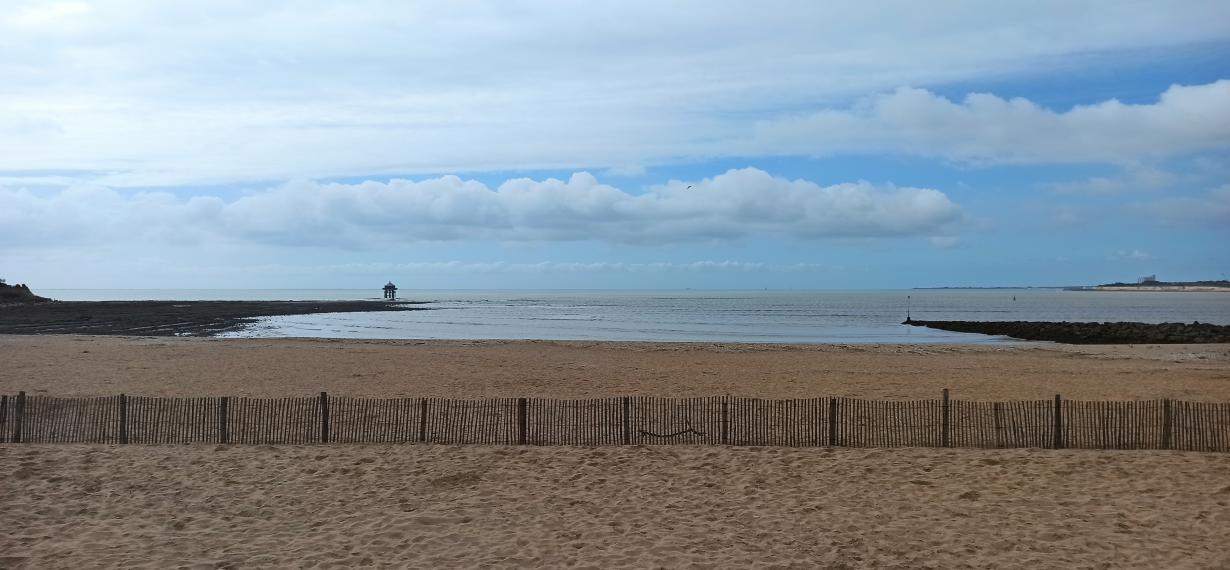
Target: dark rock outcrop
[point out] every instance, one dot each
(19, 293)
(1090, 333)
(164, 318)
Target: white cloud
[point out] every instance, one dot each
(48, 14)
(1133, 179)
(626, 171)
(166, 93)
(945, 242)
(984, 128)
(1063, 215)
(370, 214)
(1132, 255)
(1211, 209)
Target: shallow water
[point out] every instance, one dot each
(704, 316)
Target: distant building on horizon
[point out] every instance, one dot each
(1147, 279)
(390, 291)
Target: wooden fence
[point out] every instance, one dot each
(1058, 423)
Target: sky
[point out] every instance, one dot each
(611, 145)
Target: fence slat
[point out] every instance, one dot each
(19, 413)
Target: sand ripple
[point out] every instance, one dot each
(705, 507)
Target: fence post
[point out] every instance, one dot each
(832, 422)
(999, 425)
(19, 416)
(324, 417)
(627, 420)
(1058, 422)
(223, 418)
(522, 421)
(725, 421)
(4, 413)
(945, 428)
(1167, 424)
(123, 418)
(422, 420)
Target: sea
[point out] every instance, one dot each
(756, 316)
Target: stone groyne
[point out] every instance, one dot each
(1090, 333)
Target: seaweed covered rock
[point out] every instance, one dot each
(18, 294)
(1090, 333)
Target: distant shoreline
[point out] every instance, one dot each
(1168, 288)
(1049, 288)
(1207, 286)
(1158, 288)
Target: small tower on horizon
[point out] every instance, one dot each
(390, 291)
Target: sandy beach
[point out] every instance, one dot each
(636, 507)
(167, 366)
(207, 506)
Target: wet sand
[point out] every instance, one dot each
(97, 365)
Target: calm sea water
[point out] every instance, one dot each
(705, 316)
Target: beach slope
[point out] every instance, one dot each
(622, 507)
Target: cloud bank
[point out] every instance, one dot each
(541, 267)
(732, 205)
(126, 93)
(984, 128)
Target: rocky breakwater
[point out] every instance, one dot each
(1090, 333)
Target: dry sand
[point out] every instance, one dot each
(619, 507)
(74, 506)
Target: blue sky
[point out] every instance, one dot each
(622, 145)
